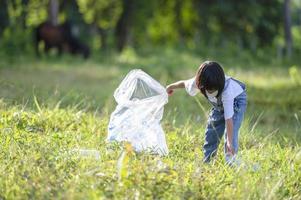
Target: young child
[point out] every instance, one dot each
(229, 100)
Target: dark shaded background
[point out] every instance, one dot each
(259, 27)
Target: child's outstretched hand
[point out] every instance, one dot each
(169, 90)
(171, 87)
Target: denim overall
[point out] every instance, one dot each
(216, 123)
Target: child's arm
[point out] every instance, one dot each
(229, 125)
(170, 88)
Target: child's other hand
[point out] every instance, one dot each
(230, 149)
(169, 90)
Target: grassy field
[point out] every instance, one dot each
(51, 108)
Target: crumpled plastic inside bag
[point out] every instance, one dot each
(136, 119)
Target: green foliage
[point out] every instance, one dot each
(37, 13)
(191, 24)
(100, 12)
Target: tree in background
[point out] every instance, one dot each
(247, 24)
(287, 28)
(124, 23)
(53, 12)
(193, 24)
(102, 15)
(15, 29)
(4, 18)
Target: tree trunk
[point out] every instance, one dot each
(287, 29)
(299, 15)
(103, 37)
(24, 13)
(4, 22)
(202, 25)
(122, 31)
(53, 12)
(178, 20)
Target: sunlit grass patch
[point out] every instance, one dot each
(39, 160)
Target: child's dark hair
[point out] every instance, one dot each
(210, 76)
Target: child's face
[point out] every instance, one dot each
(211, 91)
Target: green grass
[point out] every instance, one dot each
(52, 107)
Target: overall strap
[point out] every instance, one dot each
(243, 86)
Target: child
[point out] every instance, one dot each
(229, 100)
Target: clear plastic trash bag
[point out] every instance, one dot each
(136, 119)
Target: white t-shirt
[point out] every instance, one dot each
(232, 90)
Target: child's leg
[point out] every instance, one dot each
(214, 133)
